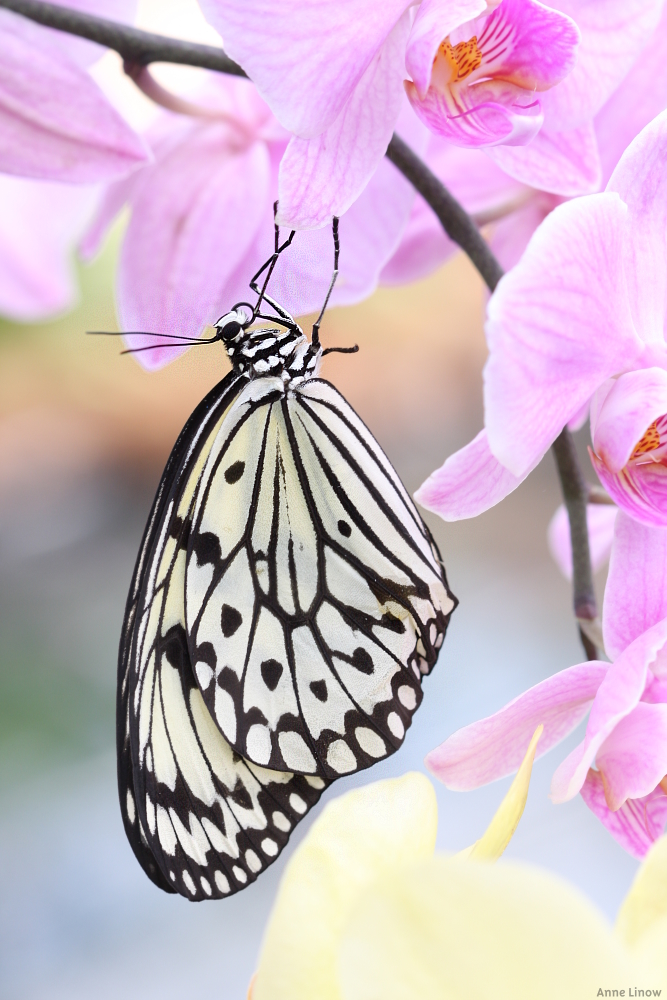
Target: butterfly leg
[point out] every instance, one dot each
(315, 338)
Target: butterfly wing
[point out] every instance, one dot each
(200, 819)
(315, 596)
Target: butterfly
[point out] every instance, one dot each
(286, 602)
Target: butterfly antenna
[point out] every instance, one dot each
(315, 338)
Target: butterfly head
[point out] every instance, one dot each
(231, 327)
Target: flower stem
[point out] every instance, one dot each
(140, 48)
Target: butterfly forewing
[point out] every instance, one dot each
(314, 596)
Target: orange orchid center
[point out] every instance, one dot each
(649, 442)
(462, 58)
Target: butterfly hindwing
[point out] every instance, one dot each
(200, 819)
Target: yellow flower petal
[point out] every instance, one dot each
(647, 900)
(506, 819)
(642, 919)
(358, 837)
(451, 930)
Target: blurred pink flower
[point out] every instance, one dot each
(40, 225)
(480, 89)
(601, 519)
(620, 767)
(55, 122)
(586, 302)
(201, 223)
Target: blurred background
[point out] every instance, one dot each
(84, 433)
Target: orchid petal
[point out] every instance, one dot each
(197, 215)
(477, 183)
(637, 824)
(635, 596)
(494, 747)
(641, 96)
(640, 181)
(618, 695)
(432, 24)
(321, 177)
(369, 232)
(633, 403)
(471, 481)
(493, 112)
(639, 489)
(611, 40)
(305, 60)
(358, 837)
(600, 518)
(564, 163)
(39, 226)
(633, 758)
(557, 326)
(55, 122)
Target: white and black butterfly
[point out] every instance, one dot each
(286, 602)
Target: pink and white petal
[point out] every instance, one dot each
(115, 196)
(633, 758)
(192, 222)
(613, 34)
(493, 112)
(597, 402)
(39, 226)
(55, 122)
(636, 102)
(523, 41)
(494, 747)
(600, 518)
(634, 401)
(305, 59)
(618, 695)
(369, 233)
(476, 182)
(435, 19)
(510, 235)
(635, 596)
(640, 490)
(471, 481)
(640, 181)
(322, 177)
(557, 326)
(563, 163)
(637, 824)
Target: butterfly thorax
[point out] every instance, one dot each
(268, 351)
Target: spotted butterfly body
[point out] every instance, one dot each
(286, 602)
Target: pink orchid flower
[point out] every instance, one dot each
(55, 122)
(334, 76)
(202, 223)
(40, 225)
(629, 433)
(620, 767)
(587, 302)
(482, 86)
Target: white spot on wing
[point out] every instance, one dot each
(188, 882)
(129, 806)
(295, 752)
(221, 881)
(340, 758)
(407, 697)
(252, 861)
(370, 741)
(269, 847)
(297, 804)
(240, 875)
(396, 725)
(281, 821)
